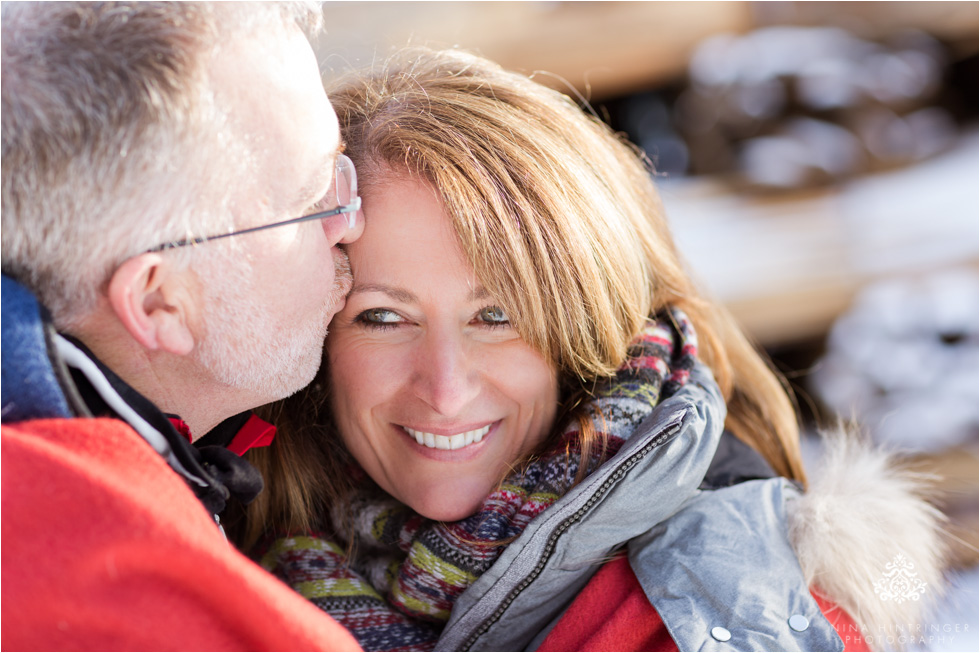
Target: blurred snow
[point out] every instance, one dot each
(905, 221)
(904, 361)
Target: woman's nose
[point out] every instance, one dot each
(446, 377)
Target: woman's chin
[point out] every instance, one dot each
(449, 507)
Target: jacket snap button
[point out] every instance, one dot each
(721, 634)
(799, 623)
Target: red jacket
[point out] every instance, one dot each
(106, 548)
(613, 614)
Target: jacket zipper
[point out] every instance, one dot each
(549, 547)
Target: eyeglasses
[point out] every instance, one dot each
(345, 193)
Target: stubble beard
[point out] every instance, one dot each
(248, 348)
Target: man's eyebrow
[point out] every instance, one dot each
(315, 188)
(398, 294)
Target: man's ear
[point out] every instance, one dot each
(153, 302)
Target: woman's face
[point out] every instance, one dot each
(434, 392)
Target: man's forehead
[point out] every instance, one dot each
(274, 96)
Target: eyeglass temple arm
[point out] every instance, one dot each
(351, 208)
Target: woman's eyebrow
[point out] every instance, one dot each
(479, 293)
(398, 294)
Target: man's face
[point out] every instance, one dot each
(265, 312)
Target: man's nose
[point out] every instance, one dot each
(344, 227)
(355, 226)
(446, 377)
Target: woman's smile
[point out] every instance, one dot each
(454, 441)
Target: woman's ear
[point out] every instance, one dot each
(153, 302)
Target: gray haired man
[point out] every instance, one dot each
(174, 199)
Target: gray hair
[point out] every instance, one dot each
(112, 142)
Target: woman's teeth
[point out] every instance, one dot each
(457, 441)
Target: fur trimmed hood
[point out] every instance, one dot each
(868, 537)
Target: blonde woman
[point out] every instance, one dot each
(530, 430)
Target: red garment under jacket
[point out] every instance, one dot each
(106, 548)
(612, 613)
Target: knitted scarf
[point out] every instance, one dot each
(397, 592)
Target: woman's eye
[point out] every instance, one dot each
(493, 316)
(378, 318)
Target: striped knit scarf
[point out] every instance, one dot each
(396, 595)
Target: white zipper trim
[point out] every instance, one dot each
(76, 358)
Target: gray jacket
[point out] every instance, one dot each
(717, 565)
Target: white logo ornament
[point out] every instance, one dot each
(899, 582)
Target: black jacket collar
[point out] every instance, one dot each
(213, 473)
